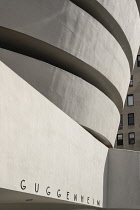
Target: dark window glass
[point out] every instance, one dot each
(121, 122)
(130, 100)
(119, 139)
(131, 138)
(138, 60)
(131, 81)
(131, 119)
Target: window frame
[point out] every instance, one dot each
(120, 141)
(129, 118)
(121, 122)
(131, 81)
(133, 99)
(129, 139)
(138, 61)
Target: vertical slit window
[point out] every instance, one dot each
(121, 122)
(131, 81)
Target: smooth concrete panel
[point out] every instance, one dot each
(126, 14)
(81, 101)
(97, 11)
(41, 144)
(124, 179)
(66, 26)
(34, 48)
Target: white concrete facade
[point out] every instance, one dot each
(64, 75)
(36, 148)
(78, 99)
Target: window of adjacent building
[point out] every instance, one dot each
(131, 81)
(138, 60)
(121, 122)
(130, 100)
(119, 139)
(131, 119)
(131, 138)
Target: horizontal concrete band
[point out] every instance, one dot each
(127, 15)
(95, 9)
(83, 102)
(42, 145)
(32, 47)
(68, 27)
(100, 137)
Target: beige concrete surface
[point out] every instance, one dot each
(83, 102)
(65, 22)
(40, 144)
(34, 48)
(97, 11)
(126, 14)
(47, 160)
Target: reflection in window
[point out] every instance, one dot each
(130, 100)
(119, 139)
(131, 138)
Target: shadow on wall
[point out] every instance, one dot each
(18, 199)
(48, 206)
(41, 81)
(71, 97)
(38, 17)
(105, 182)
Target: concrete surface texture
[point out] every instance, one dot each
(36, 151)
(64, 31)
(71, 94)
(97, 11)
(40, 144)
(129, 21)
(54, 149)
(124, 175)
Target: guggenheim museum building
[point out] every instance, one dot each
(65, 67)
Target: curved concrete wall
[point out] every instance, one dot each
(97, 11)
(81, 101)
(43, 152)
(41, 144)
(61, 24)
(128, 20)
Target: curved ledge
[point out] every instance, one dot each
(32, 47)
(81, 101)
(96, 10)
(99, 137)
(138, 4)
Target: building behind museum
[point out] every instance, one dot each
(128, 136)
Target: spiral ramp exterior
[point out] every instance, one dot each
(64, 73)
